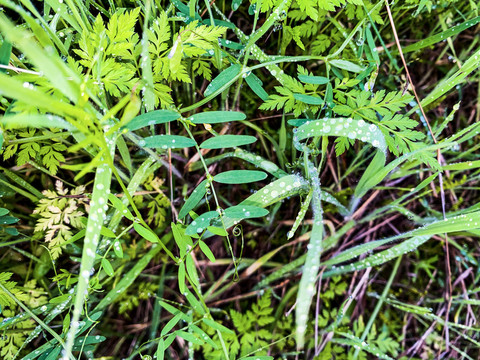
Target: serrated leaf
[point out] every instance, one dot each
(167, 142)
(226, 76)
(215, 117)
(226, 141)
(152, 118)
(239, 176)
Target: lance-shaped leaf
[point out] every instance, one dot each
(224, 78)
(353, 129)
(240, 212)
(214, 117)
(317, 80)
(308, 99)
(167, 142)
(239, 176)
(152, 118)
(225, 141)
(194, 199)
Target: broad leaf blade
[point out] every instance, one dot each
(167, 142)
(224, 78)
(353, 129)
(226, 141)
(215, 117)
(239, 176)
(152, 118)
(194, 199)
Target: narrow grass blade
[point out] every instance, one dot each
(441, 36)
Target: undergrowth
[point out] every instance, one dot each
(273, 179)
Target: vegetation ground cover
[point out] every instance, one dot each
(264, 179)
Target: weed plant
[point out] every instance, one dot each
(263, 179)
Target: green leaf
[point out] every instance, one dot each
(347, 65)
(35, 121)
(239, 212)
(353, 129)
(257, 86)
(239, 176)
(145, 233)
(308, 99)
(217, 230)
(214, 325)
(181, 277)
(441, 36)
(193, 199)
(226, 76)
(192, 270)
(171, 323)
(201, 223)
(152, 118)
(5, 51)
(206, 250)
(117, 248)
(167, 142)
(214, 117)
(317, 80)
(226, 141)
(189, 337)
(107, 267)
(160, 353)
